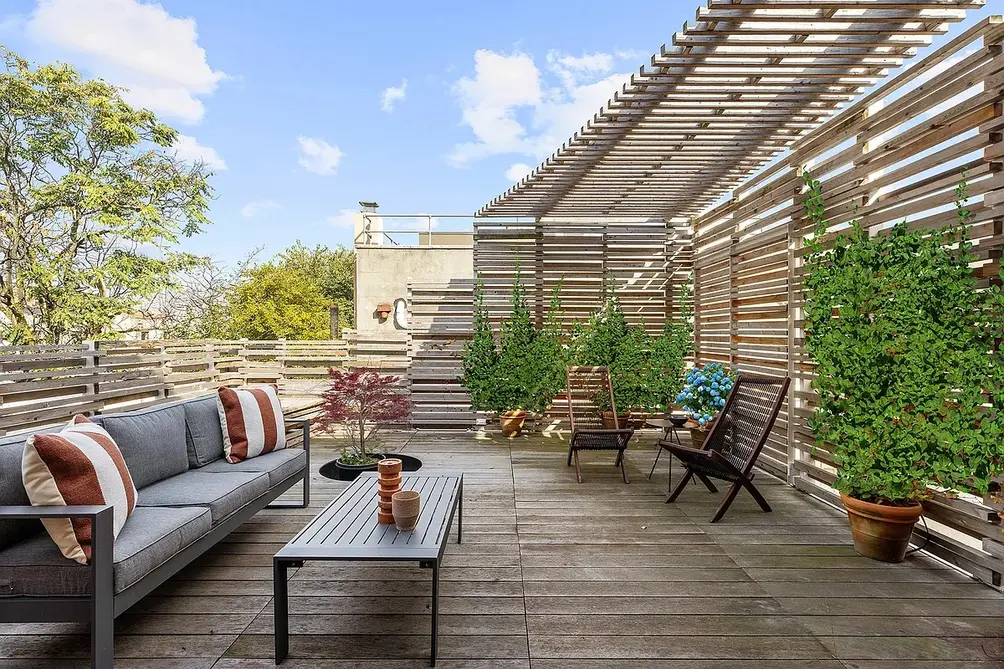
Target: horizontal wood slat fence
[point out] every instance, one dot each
(46, 385)
(896, 154)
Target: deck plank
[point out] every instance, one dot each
(557, 575)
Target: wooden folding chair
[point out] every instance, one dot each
(735, 441)
(584, 385)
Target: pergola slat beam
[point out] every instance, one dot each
(738, 86)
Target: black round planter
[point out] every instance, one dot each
(336, 471)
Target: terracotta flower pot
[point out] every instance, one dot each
(389, 466)
(512, 422)
(608, 420)
(390, 482)
(698, 433)
(406, 504)
(881, 532)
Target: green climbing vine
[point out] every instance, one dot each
(907, 373)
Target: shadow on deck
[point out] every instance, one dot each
(561, 576)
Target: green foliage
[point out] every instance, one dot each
(275, 301)
(480, 361)
(92, 202)
(646, 372)
(909, 391)
(333, 271)
(525, 369)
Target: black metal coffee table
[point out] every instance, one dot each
(347, 529)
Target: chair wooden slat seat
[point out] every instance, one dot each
(584, 385)
(731, 448)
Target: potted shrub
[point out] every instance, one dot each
(907, 374)
(521, 372)
(703, 396)
(359, 403)
(645, 371)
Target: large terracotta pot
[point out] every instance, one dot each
(697, 433)
(512, 422)
(608, 419)
(881, 532)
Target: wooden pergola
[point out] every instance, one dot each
(736, 88)
(711, 143)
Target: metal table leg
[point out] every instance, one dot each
(435, 611)
(280, 589)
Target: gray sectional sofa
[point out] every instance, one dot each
(189, 499)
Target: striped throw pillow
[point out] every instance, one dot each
(79, 465)
(252, 422)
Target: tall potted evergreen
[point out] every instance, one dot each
(519, 370)
(908, 383)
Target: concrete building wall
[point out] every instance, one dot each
(383, 273)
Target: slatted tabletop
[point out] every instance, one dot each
(347, 529)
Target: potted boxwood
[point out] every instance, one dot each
(703, 396)
(358, 403)
(521, 372)
(907, 373)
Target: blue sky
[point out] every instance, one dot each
(307, 106)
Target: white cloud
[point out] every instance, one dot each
(319, 157)
(255, 207)
(513, 107)
(132, 44)
(517, 171)
(346, 218)
(393, 95)
(188, 149)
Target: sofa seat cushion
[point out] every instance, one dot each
(203, 432)
(12, 492)
(151, 536)
(152, 441)
(279, 465)
(223, 493)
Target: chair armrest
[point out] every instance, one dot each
(677, 448)
(38, 512)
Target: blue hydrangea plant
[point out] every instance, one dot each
(705, 391)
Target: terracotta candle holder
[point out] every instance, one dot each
(406, 507)
(389, 482)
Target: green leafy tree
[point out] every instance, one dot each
(196, 307)
(275, 302)
(333, 269)
(909, 389)
(92, 201)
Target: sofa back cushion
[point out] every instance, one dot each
(152, 441)
(12, 492)
(203, 433)
(78, 466)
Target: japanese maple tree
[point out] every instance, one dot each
(361, 401)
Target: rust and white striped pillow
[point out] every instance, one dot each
(79, 465)
(252, 422)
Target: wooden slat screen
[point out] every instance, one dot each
(897, 154)
(581, 256)
(440, 321)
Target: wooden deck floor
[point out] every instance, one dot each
(557, 575)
